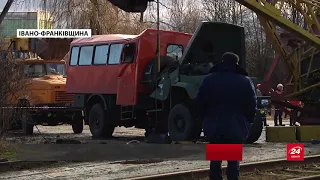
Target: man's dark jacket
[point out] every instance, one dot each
(227, 102)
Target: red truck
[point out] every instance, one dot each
(113, 75)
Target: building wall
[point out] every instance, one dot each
(24, 20)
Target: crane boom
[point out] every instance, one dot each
(264, 9)
(299, 58)
(298, 47)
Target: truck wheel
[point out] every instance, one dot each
(147, 132)
(255, 129)
(27, 124)
(77, 123)
(98, 122)
(26, 120)
(181, 124)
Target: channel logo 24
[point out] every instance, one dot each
(295, 152)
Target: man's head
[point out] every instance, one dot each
(230, 57)
(280, 87)
(258, 86)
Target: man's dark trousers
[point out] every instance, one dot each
(277, 114)
(293, 117)
(216, 166)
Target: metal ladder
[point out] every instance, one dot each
(127, 112)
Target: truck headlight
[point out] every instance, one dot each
(265, 102)
(262, 111)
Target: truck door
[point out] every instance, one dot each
(127, 89)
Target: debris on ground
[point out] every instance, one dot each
(67, 141)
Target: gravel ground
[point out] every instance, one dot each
(282, 173)
(116, 170)
(111, 170)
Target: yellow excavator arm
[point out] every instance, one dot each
(47, 48)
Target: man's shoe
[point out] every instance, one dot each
(266, 125)
(276, 125)
(282, 125)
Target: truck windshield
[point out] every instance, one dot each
(41, 69)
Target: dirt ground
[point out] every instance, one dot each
(47, 134)
(117, 170)
(7, 151)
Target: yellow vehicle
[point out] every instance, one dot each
(44, 97)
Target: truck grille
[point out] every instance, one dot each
(63, 97)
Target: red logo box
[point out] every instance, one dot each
(224, 152)
(295, 152)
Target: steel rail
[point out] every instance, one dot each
(314, 177)
(244, 168)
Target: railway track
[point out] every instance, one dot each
(309, 169)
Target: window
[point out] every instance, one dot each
(40, 69)
(74, 56)
(115, 53)
(86, 55)
(34, 70)
(129, 52)
(101, 54)
(56, 69)
(175, 51)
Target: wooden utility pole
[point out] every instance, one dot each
(158, 34)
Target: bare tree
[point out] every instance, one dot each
(178, 15)
(259, 51)
(99, 15)
(12, 88)
(182, 15)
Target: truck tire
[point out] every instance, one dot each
(26, 120)
(255, 129)
(27, 124)
(98, 122)
(150, 72)
(77, 123)
(182, 125)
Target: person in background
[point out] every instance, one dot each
(258, 93)
(278, 113)
(269, 94)
(227, 109)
